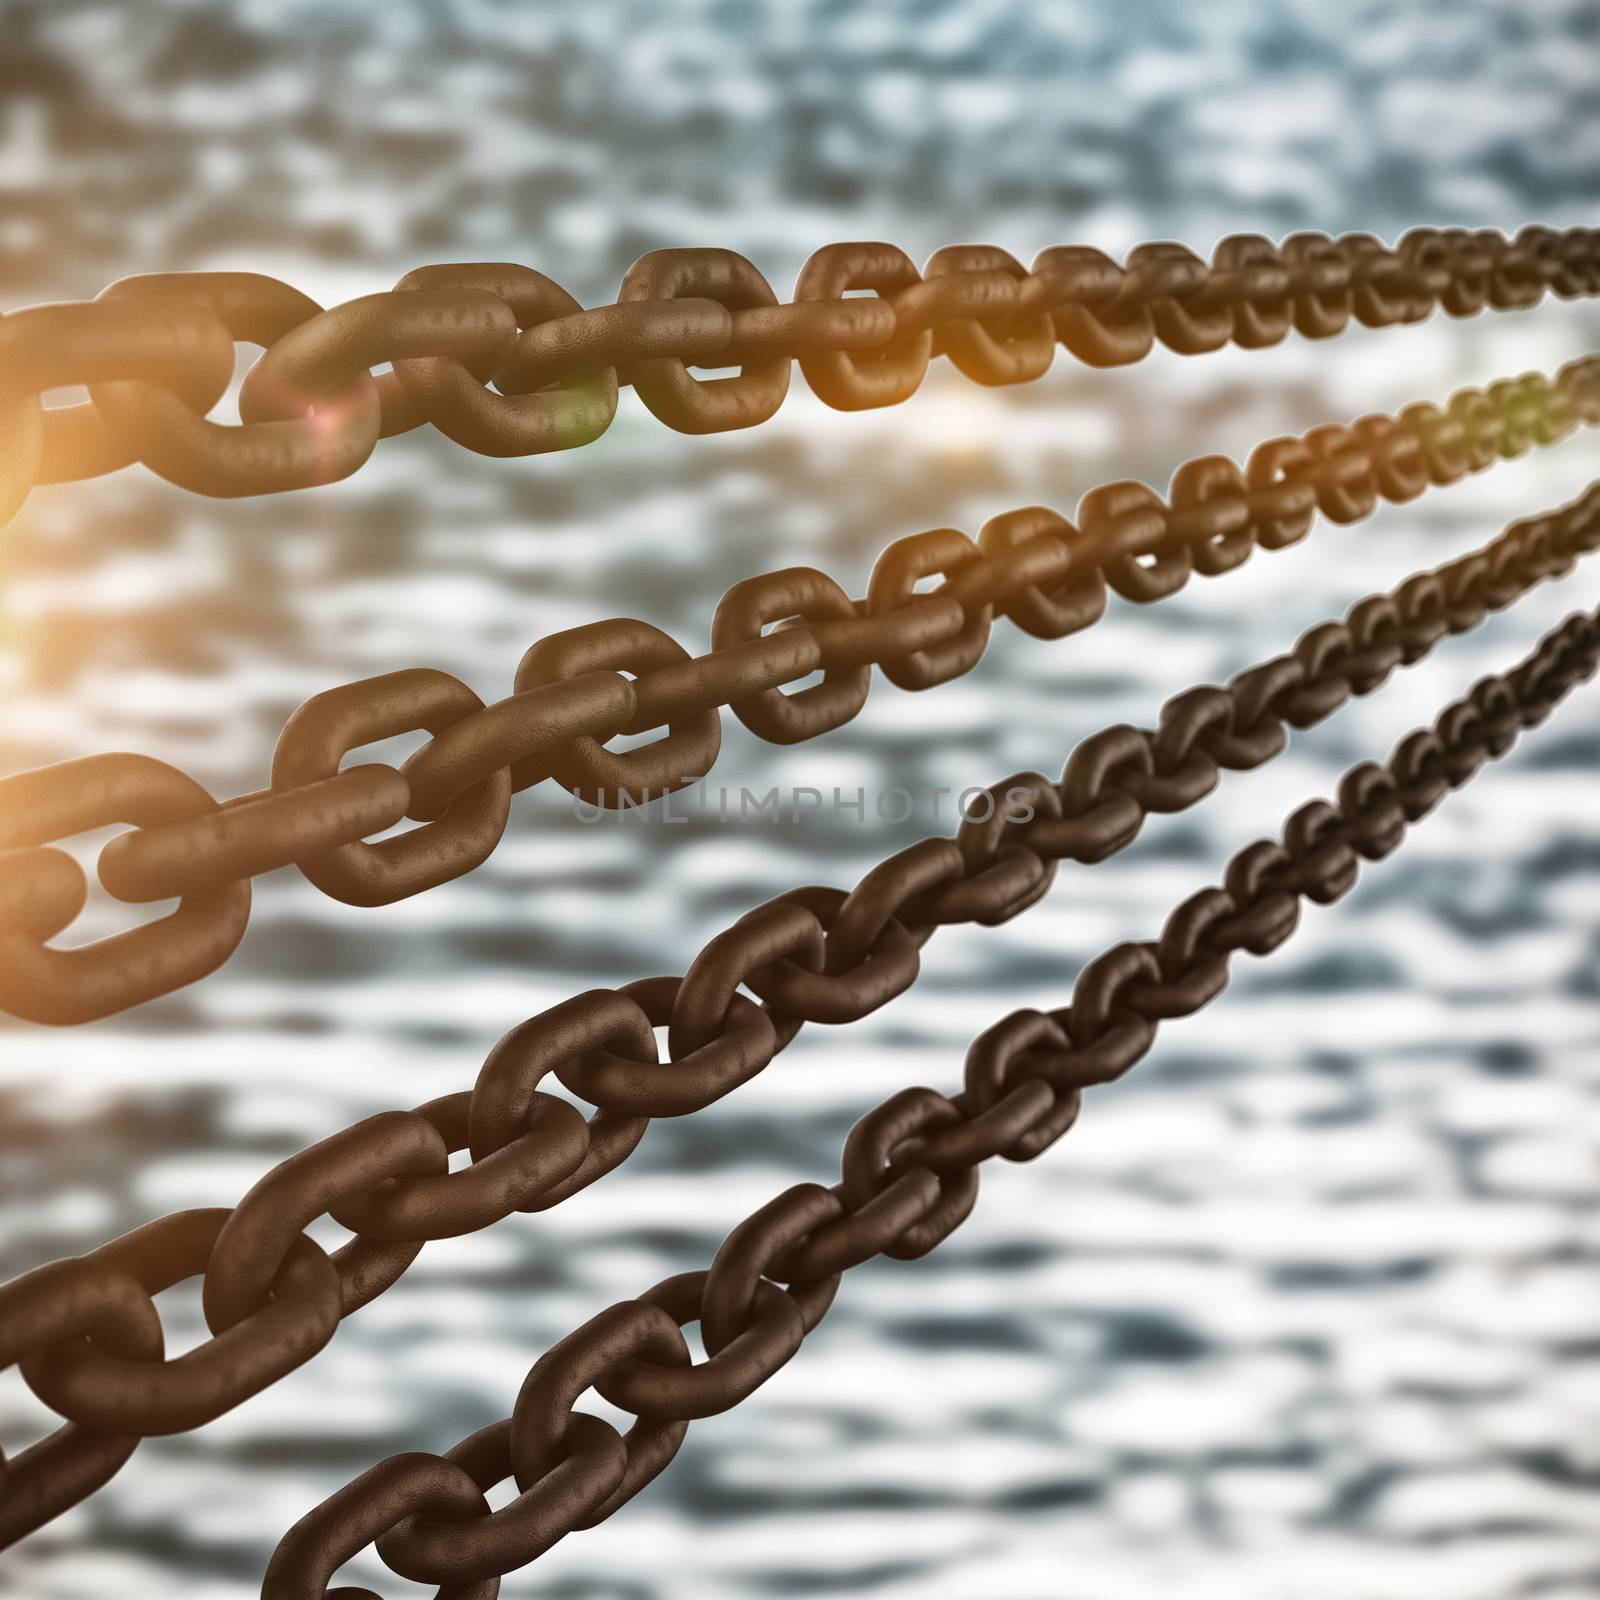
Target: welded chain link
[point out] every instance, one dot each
(909, 1177)
(87, 1334)
(1046, 575)
(505, 362)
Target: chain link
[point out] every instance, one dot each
(505, 362)
(86, 1332)
(777, 1272)
(570, 695)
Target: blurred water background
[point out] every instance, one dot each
(1305, 1307)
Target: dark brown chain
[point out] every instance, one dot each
(909, 1178)
(157, 353)
(1044, 574)
(87, 1334)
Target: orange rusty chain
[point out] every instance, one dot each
(86, 1331)
(157, 352)
(909, 1178)
(1031, 566)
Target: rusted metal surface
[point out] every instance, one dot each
(505, 362)
(87, 1334)
(1046, 575)
(909, 1178)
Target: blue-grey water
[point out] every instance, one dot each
(1307, 1306)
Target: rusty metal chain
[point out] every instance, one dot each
(86, 1331)
(157, 352)
(1031, 566)
(909, 1177)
